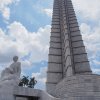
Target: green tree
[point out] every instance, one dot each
(26, 82)
(32, 82)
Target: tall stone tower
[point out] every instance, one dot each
(68, 62)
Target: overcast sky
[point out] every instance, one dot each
(25, 31)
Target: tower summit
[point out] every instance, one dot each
(67, 54)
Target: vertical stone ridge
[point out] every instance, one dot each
(66, 47)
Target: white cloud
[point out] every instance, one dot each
(97, 71)
(89, 9)
(41, 76)
(4, 7)
(90, 34)
(91, 37)
(19, 41)
(96, 62)
(88, 12)
(6, 13)
(48, 12)
(26, 64)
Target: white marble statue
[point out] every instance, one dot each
(11, 75)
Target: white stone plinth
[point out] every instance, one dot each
(11, 92)
(6, 93)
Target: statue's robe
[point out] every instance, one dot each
(11, 75)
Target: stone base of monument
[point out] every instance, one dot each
(6, 93)
(79, 87)
(22, 93)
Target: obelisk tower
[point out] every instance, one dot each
(67, 54)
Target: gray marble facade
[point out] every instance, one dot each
(67, 54)
(68, 61)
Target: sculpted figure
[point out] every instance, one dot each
(11, 75)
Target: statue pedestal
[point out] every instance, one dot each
(22, 93)
(6, 93)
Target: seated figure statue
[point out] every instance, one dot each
(11, 75)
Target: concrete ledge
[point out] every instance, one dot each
(26, 91)
(79, 86)
(11, 92)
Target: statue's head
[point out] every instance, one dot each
(15, 58)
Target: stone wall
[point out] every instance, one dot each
(79, 87)
(24, 93)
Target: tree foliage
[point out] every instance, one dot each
(26, 82)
